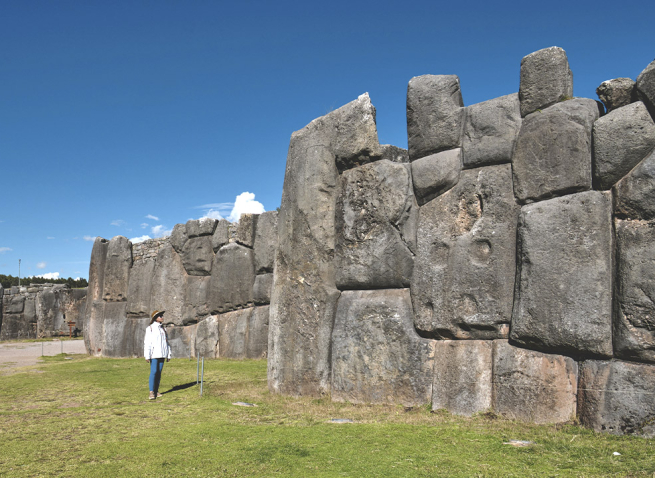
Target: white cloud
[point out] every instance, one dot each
(144, 225)
(40, 265)
(89, 238)
(136, 240)
(49, 275)
(160, 231)
(245, 204)
(5, 249)
(221, 206)
(49, 237)
(213, 214)
(154, 218)
(117, 222)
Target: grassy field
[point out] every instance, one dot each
(75, 416)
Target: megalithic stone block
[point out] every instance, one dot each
(563, 302)
(97, 269)
(265, 242)
(94, 333)
(168, 285)
(179, 237)
(117, 269)
(375, 205)
(617, 93)
(196, 303)
(232, 279)
(257, 340)
(139, 289)
(533, 386)
(434, 114)
(197, 255)
(262, 289)
(545, 79)
(233, 333)
(646, 87)
(394, 153)
(464, 269)
(377, 357)
(246, 229)
(617, 397)
(207, 337)
(221, 234)
(200, 227)
(634, 195)
(182, 341)
(117, 331)
(435, 174)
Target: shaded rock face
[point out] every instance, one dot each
(262, 289)
(374, 211)
(197, 256)
(182, 340)
(464, 268)
(200, 227)
(533, 386)
(195, 302)
(221, 234)
(233, 333)
(179, 237)
(246, 229)
(622, 139)
(634, 320)
(257, 339)
(434, 114)
(168, 285)
(563, 302)
(634, 195)
(376, 355)
(617, 93)
(207, 337)
(265, 242)
(435, 174)
(139, 289)
(545, 79)
(117, 269)
(394, 153)
(232, 279)
(617, 397)
(646, 87)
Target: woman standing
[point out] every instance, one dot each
(155, 350)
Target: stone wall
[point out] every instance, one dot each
(212, 278)
(40, 310)
(505, 262)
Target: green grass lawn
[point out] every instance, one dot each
(90, 417)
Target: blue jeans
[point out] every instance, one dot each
(156, 366)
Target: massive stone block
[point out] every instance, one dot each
(168, 285)
(197, 255)
(553, 151)
(200, 227)
(15, 304)
(374, 206)
(617, 397)
(265, 242)
(564, 290)
(232, 279)
(634, 321)
(257, 340)
(117, 269)
(182, 341)
(233, 333)
(45, 310)
(394, 153)
(545, 79)
(490, 131)
(434, 114)
(646, 87)
(435, 174)
(97, 269)
(464, 270)
(179, 237)
(634, 195)
(377, 357)
(139, 289)
(246, 229)
(262, 289)
(622, 139)
(533, 386)
(462, 376)
(118, 331)
(617, 93)
(94, 334)
(221, 234)
(15, 327)
(196, 305)
(207, 337)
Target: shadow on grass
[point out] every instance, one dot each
(177, 388)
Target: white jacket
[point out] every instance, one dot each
(155, 344)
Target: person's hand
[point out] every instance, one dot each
(168, 360)
(148, 360)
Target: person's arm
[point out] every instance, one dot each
(147, 347)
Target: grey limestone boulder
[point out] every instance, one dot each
(545, 79)
(533, 386)
(195, 305)
(139, 289)
(197, 255)
(207, 337)
(375, 204)
(394, 153)
(490, 131)
(221, 234)
(435, 174)
(97, 268)
(15, 327)
(94, 336)
(262, 289)
(246, 229)
(622, 139)
(462, 376)
(434, 114)
(634, 321)
(117, 331)
(15, 305)
(617, 397)
(201, 227)
(265, 242)
(233, 333)
(646, 87)
(553, 151)
(617, 93)
(463, 280)
(117, 269)
(182, 340)
(232, 279)
(634, 195)
(257, 339)
(563, 302)
(179, 237)
(138, 335)
(168, 285)
(377, 357)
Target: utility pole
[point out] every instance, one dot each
(18, 272)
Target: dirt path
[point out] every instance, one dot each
(22, 354)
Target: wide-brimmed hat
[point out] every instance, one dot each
(157, 313)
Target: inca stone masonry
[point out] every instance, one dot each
(505, 261)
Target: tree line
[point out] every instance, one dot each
(8, 281)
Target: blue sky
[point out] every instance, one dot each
(120, 117)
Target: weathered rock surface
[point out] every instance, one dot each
(634, 195)
(233, 333)
(553, 151)
(168, 285)
(15, 304)
(97, 269)
(207, 337)
(434, 114)
(545, 79)
(617, 397)
(564, 291)
(462, 376)
(232, 279)
(490, 131)
(375, 203)
(394, 153)
(117, 269)
(246, 229)
(265, 242)
(533, 386)
(221, 234)
(197, 255)
(94, 337)
(646, 87)
(257, 340)
(179, 237)
(200, 227)
(262, 289)
(634, 322)
(195, 299)
(182, 341)
(376, 355)
(118, 331)
(617, 93)
(622, 139)
(139, 289)
(14, 327)
(435, 174)
(463, 280)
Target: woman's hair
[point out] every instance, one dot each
(154, 317)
